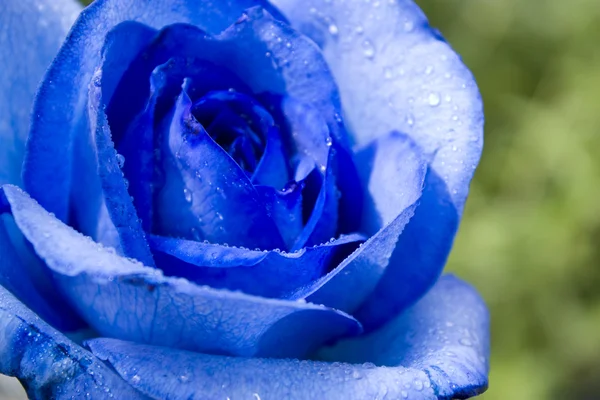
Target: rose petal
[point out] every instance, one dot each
(267, 274)
(422, 367)
(122, 298)
(32, 31)
(395, 177)
(206, 195)
(47, 363)
(60, 107)
(31, 283)
(396, 73)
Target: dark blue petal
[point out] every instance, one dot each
(349, 186)
(285, 207)
(321, 196)
(396, 73)
(309, 134)
(48, 364)
(122, 298)
(419, 256)
(268, 274)
(136, 145)
(420, 365)
(32, 32)
(121, 46)
(445, 334)
(206, 195)
(272, 169)
(397, 172)
(60, 107)
(230, 114)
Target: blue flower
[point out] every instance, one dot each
(235, 199)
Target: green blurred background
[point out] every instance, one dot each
(530, 238)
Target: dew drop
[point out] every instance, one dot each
(368, 49)
(120, 160)
(434, 99)
(188, 195)
(135, 379)
(418, 385)
(333, 29)
(465, 342)
(388, 73)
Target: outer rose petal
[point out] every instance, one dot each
(396, 73)
(438, 349)
(32, 31)
(47, 363)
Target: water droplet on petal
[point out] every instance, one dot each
(434, 99)
(368, 49)
(188, 195)
(388, 73)
(418, 385)
(120, 160)
(465, 342)
(333, 29)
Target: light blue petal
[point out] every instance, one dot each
(25, 276)
(32, 31)
(396, 73)
(15, 275)
(393, 172)
(60, 107)
(418, 363)
(122, 298)
(48, 364)
(445, 334)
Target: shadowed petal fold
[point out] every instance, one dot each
(268, 274)
(393, 172)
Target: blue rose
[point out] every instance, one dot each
(235, 200)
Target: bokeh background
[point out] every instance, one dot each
(530, 238)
